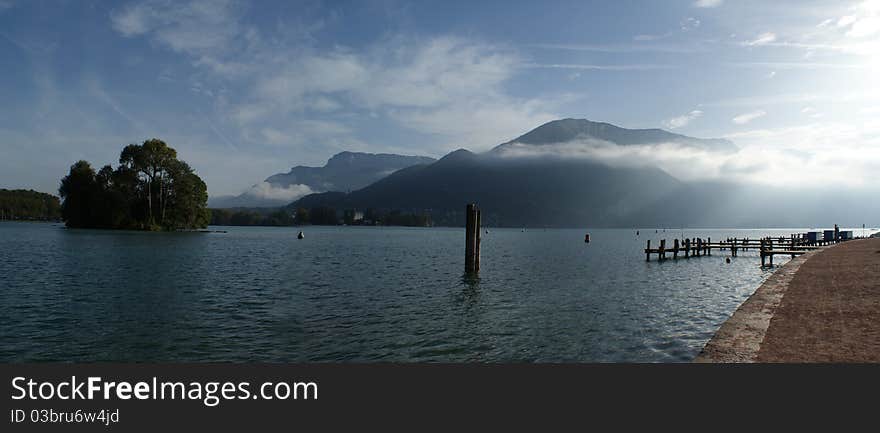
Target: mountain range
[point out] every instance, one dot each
(565, 173)
(539, 188)
(345, 171)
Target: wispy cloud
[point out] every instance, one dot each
(645, 37)
(708, 3)
(800, 65)
(811, 112)
(196, 27)
(762, 39)
(744, 118)
(683, 120)
(294, 94)
(689, 24)
(630, 67)
(864, 22)
(682, 48)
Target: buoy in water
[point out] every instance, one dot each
(587, 238)
(300, 235)
(637, 232)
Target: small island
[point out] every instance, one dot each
(150, 190)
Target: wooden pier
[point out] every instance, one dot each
(793, 245)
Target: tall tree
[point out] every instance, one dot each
(78, 190)
(150, 189)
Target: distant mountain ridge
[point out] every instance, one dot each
(345, 171)
(566, 130)
(541, 184)
(530, 192)
(533, 190)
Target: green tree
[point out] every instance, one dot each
(77, 191)
(150, 189)
(22, 204)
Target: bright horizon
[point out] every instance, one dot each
(245, 90)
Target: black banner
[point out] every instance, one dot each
(415, 397)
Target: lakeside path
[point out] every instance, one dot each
(823, 306)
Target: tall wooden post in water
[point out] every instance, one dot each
(472, 239)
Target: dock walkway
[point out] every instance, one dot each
(823, 306)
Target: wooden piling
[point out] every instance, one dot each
(662, 249)
(675, 249)
(471, 239)
(479, 239)
(763, 253)
(648, 252)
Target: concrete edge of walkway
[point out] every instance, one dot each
(739, 338)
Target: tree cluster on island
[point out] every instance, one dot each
(28, 205)
(150, 190)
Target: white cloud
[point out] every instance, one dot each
(762, 39)
(811, 112)
(683, 120)
(847, 20)
(708, 3)
(197, 27)
(289, 193)
(864, 27)
(595, 67)
(689, 23)
(762, 155)
(645, 37)
(744, 118)
(421, 84)
(863, 22)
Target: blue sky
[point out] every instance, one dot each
(246, 89)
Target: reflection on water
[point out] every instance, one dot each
(360, 294)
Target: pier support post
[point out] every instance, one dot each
(662, 249)
(687, 247)
(472, 239)
(762, 253)
(708, 246)
(648, 251)
(675, 249)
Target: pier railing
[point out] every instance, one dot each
(793, 245)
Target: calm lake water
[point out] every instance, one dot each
(360, 294)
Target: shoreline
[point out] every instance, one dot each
(809, 310)
(739, 338)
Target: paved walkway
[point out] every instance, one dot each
(821, 307)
